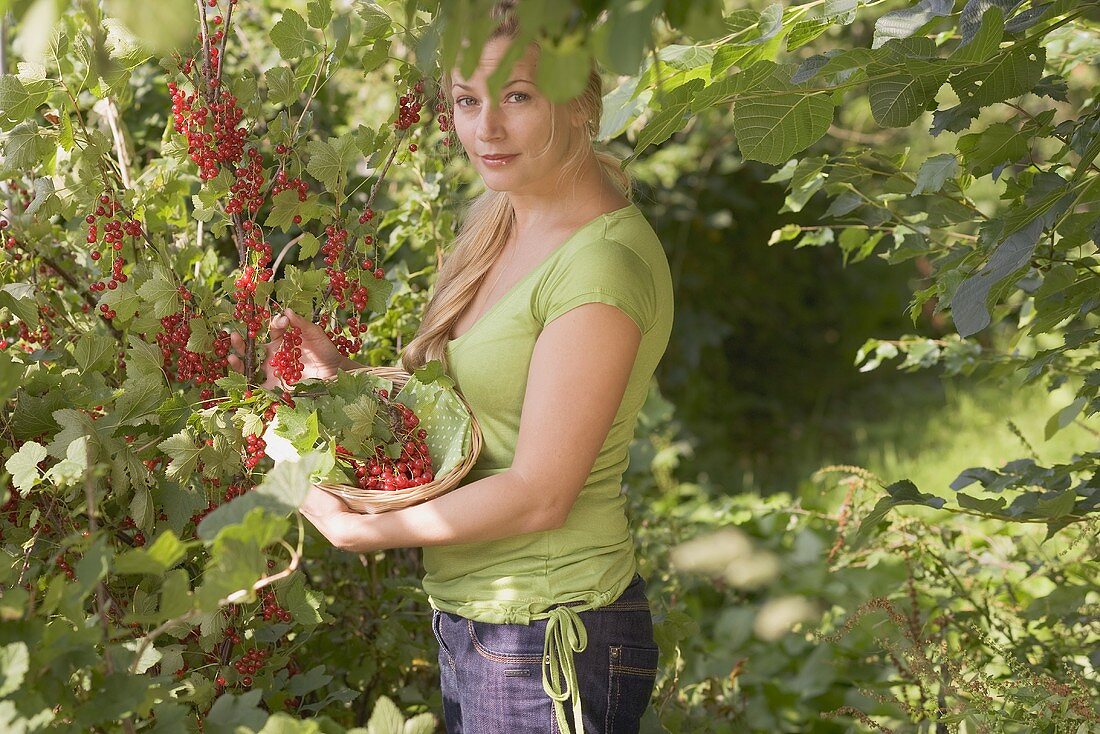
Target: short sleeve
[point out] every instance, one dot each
(603, 271)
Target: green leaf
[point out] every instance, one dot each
(669, 118)
(22, 299)
(281, 87)
(17, 102)
(981, 42)
(14, 664)
(124, 46)
(935, 172)
(160, 291)
(308, 246)
(998, 143)
(93, 352)
(184, 454)
(329, 161)
(283, 490)
(1064, 417)
(376, 22)
(907, 21)
(300, 289)
(25, 147)
(421, 724)
(23, 466)
(776, 120)
(285, 205)
(1058, 506)
(320, 14)
(1004, 77)
(903, 85)
(230, 712)
(563, 69)
(164, 553)
(70, 470)
(386, 718)
(291, 36)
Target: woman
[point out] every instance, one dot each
(551, 312)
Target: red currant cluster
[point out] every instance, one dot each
(345, 346)
(252, 315)
(66, 568)
(272, 610)
(213, 138)
(411, 469)
(255, 449)
(409, 109)
(41, 336)
(115, 229)
(245, 193)
(9, 240)
(445, 123)
(184, 364)
(252, 662)
(287, 362)
(282, 183)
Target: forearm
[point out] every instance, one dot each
(498, 506)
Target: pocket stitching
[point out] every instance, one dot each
(495, 656)
(439, 639)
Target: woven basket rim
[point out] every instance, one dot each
(378, 500)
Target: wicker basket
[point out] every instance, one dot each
(374, 501)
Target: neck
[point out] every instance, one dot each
(587, 195)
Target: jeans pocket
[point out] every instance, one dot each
(516, 644)
(445, 654)
(632, 673)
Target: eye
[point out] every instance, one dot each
(521, 94)
(460, 100)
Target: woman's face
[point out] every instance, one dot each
(517, 123)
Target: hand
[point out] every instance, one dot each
(319, 503)
(332, 518)
(320, 357)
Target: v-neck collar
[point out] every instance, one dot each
(553, 253)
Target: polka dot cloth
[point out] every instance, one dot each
(445, 419)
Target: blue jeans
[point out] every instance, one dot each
(491, 674)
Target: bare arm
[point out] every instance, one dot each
(578, 375)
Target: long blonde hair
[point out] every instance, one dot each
(489, 218)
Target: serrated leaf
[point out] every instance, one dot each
(291, 35)
(230, 712)
(1004, 77)
(308, 246)
(420, 724)
(386, 718)
(319, 13)
(281, 87)
(998, 143)
(983, 40)
(27, 146)
(93, 352)
(968, 305)
(285, 205)
(201, 340)
(164, 553)
(329, 161)
(669, 118)
(184, 454)
(907, 21)
(903, 87)
(376, 21)
(22, 300)
(14, 664)
(23, 466)
(160, 292)
(935, 172)
(776, 120)
(283, 490)
(17, 101)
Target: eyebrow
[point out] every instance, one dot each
(514, 81)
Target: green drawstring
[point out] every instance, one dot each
(565, 634)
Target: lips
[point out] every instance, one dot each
(499, 157)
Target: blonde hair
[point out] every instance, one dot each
(489, 218)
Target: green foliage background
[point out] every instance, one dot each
(830, 547)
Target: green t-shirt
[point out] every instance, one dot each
(617, 259)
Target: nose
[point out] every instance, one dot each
(490, 124)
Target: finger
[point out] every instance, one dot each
(235, 363)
